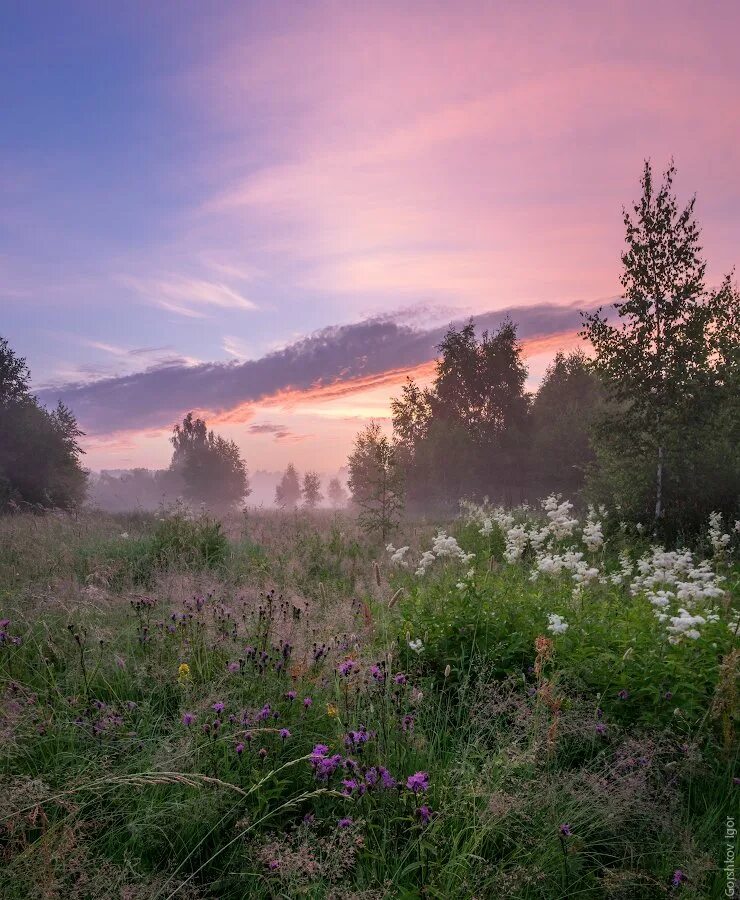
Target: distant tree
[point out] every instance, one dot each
(311, 490)
(661, 363)
(288, 491)
(211, 467)
(376, 481)
(337, 494)
(562, 414)
(39, 450)
(466, 434)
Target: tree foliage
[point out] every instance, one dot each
(211, 467)
(39, 450)
(337, 494)
(311, 490)
(667, 365)
(376, 481)
(288, 491)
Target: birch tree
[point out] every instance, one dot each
(656, 359)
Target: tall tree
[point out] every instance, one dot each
(658, 362)
(376, 481)
(211, 467)
(311, 490)
(288, 491)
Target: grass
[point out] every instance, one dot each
(594, 763)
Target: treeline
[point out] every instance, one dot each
(40, 455)
(648, 422)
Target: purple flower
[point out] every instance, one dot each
(407, 724)
(262, 752)
(188, 718)
(239, 748)
(424, 813)
(623, 694)
(290, 695)
(377, 673)
(417, 782)
(307, 702)
(678, 878)
(400, 678)
(233, 667)
(284, 734)
(273, 865)
(264, 713)
(218, 707)
(349, 785)
(345, 823)
(326, 766)
(565, 830)
(387, 780)
(319, 751)
(601, 729)
(346, 668)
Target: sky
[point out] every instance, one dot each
(269, 212)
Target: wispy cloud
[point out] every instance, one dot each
(188, 296)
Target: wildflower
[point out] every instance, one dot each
(565, 830)
(417, 782)
(290, 696)
(319, 751)
(188, 718)
(600, 729)
(377, 673)
(416, 645)
(218, 706)
(307, 702)
(346, 668)
(284, 734)
(623, 694)
(233, 667)
(557, 625)
(349, 785)
(678, 878)
(345, 823)
(424, 813)
(407, 723)
(400, 678)
(262, 752)
(183, 673)
(273, 865)
(331, 710)
(239, 748)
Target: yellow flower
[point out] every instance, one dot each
(183, 673)
(331, 709)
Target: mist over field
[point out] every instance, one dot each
(369, 451)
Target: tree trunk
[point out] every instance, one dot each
(659, 487)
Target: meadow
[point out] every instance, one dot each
(520, 703)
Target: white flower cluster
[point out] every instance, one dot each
(558, 514)
(443, 546)
(571, 560)
(397, 555)
(718, 538)
(684, 625)
(593, 536)
(667, 578)
(557, 624)
(516, 543)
